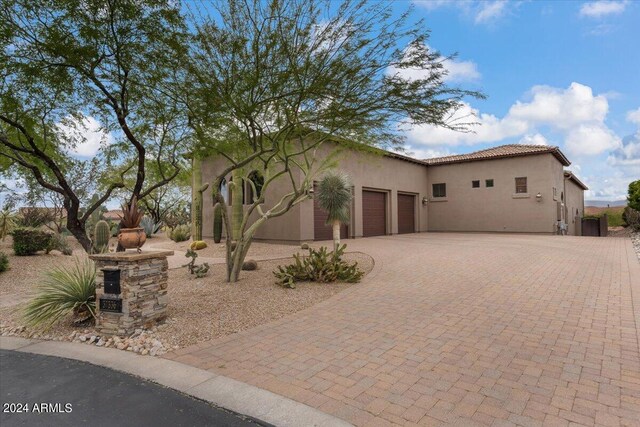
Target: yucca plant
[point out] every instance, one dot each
(334, 196)
(65, 291)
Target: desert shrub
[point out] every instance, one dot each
(7, 223)
(250, 265)
(4, 262)
(34, 217)
(631, 218)
(319, 266)
(150, 227)
(28, 241)
(64, 291)
(58, 242)
(181, 233)
(304, 246)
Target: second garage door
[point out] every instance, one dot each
(374, 213)
(406, 213)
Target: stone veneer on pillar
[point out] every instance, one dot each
(142, 300)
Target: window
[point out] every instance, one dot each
(488, 183)
(224, 191)
(439, 190)
(555, 193)
(521, 184)
(475, 184)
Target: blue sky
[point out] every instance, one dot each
(563, 73)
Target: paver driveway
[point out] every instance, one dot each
(460, 329)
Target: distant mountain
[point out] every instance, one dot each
(604, 203)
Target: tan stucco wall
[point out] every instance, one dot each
(375, 172)
(497, 208)
(365, 170)
(282, 228)
(574, 200)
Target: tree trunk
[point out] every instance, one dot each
(336, 235)
(80, 233)
(237, 212)
(196, 200)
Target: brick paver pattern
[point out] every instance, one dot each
(459, 329)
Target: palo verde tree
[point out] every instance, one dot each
(270, 82)
(64, 61)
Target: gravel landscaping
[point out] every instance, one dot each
(199, 309)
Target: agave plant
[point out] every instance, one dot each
(334, 196)
(65, 291)
(131, 214)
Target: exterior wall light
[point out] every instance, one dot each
(425, 200)
(539, 197)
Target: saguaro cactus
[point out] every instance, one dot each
(101, 235)
(217, 223)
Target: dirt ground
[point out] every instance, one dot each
(199, 309)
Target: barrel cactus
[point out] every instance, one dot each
(101, 235)
(217, 223)
(198, 244)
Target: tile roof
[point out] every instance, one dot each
(569, 175)
(500, 152)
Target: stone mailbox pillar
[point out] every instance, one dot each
(131, 290)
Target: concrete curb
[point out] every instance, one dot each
(213, 388)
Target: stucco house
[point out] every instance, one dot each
(510, 188)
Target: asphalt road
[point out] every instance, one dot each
(78, 393)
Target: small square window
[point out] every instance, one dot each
(439, 190)
(475, 184)
(488, 183)
(521, 185)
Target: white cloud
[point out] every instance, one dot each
(591, 139)
(634, 116)
(562, 108)
(490, 11)
(457, 71)
(627, 154)
(535, 139)
(598, 9)
(575, 113)
(482, 11)
(85, 137)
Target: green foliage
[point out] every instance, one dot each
(334, 196)
(181, 233)
(150, 227)
(28, 241)
(58, 242)
(7, 223)
(4, 262)
(217, 223)
(199, 270)
(250, 265)
(319, 266)
(614, 216)
(631, 218)
(101, 235)
(633, 198)
(64, 291)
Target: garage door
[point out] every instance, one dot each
(406, 213)
(374, 213)
(322, 231)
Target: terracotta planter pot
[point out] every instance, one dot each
(132, 238)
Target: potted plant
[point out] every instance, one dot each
(131, 234)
